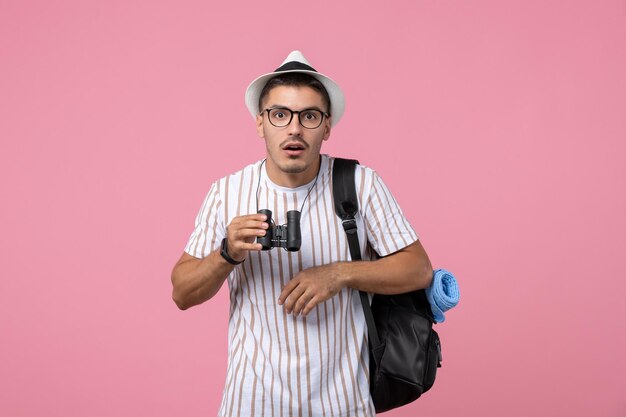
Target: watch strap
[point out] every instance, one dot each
(225, 255)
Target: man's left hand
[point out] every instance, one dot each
(311, 287)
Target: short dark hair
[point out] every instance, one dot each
(295, 79)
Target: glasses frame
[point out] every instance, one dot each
(292, 112)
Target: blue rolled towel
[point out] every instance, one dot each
(443, 294)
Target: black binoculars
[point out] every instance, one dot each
(285, 236)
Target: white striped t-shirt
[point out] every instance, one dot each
(309, 366)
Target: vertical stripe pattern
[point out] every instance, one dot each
(310, 366)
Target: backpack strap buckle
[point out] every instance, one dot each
(349, 225)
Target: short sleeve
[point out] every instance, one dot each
(209, 227)
(388, 230)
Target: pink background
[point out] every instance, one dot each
(499, 126)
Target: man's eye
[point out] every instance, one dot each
(310, 115)
(278, 115)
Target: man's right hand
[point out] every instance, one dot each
(196, 280)
(242, 232)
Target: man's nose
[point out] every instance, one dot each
(294, 127)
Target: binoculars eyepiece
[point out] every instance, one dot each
(284, 236)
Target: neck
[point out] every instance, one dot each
(292, 180)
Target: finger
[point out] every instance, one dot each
(253, 221)
(293, 298)
(287, 290)
(239, 247)
(256, 216)
(246, 235)
(250, 217)
(301, 304)
(248, 246)
(310, 305)
(250, 224)
(243, 236)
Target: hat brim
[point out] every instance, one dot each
(337, 99)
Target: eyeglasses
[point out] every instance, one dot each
(308, 118)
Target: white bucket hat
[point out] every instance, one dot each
(296, 62)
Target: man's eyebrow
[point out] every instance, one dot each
(313, 108)
(278, 106)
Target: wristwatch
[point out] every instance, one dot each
(225, 255)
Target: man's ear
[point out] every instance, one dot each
(326, 129)
(259, 125)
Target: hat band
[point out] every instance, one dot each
(294, 65)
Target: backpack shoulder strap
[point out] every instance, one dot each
(344, 191)
(346, 202)
(346, 207)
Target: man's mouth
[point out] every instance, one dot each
(294, 148)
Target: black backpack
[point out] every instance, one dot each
(405, 351)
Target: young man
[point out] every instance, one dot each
(297, 336)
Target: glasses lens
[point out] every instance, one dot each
(311, 118)
(279, 117)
